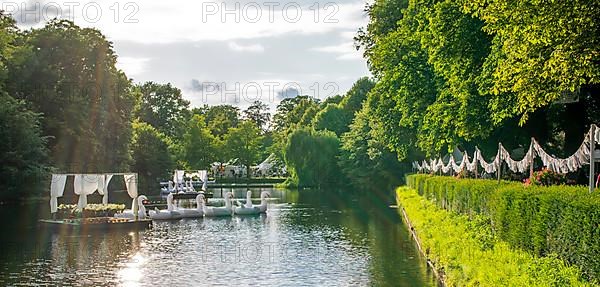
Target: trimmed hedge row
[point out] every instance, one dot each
(561, 220)
(461, 248)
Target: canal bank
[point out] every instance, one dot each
(464, 251)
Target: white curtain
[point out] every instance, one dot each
(85, 185)
(178, 177)
(131, 184)
(57, 188)
(204, 178)
(103, 181)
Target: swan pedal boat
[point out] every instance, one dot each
(249, 209)
(227, 210)
(169, 214)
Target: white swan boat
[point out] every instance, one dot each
(227, 210)
(249, 209)
(194, 212)
(128, 213)
(169, 214)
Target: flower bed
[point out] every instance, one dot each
(91, 210)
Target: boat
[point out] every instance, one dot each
(226, 210)
(169, 214)
(194, 212)
(87, 184)
(249, 209)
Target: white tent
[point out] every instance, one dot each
(179, 175)
(87, 184)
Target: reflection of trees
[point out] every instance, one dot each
(367, 223)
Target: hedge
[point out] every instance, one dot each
(561, 220)
(462, 249)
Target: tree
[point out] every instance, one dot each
(220, 118)
(151, 155)
(200, 146)
(290, 111)
(548, 51)
(163, 107)
(353, 101)
(258, 113)
(243, 143)
(364, 157)
(332, 118)
(23, 153)
(69, 74)
(311, 158)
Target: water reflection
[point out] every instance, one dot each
(307, 238)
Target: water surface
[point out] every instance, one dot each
(307, 238)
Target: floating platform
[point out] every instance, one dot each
(96, 224)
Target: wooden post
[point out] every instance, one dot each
(592, 159)
(499, 168)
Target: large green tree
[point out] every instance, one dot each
(243, 143)
(151, 155)
(163, 107)
(200, 147)
(23, 153)
(68, 74)
(311, 158)
(221, 118)
(258, 113)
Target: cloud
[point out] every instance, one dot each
(189, 21)
(345, 51)
(199, 87)
(288, 93)
(131, 65)
(254, 48)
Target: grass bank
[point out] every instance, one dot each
(466, 252)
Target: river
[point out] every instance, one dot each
(307, 238)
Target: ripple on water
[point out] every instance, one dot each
(294, 245)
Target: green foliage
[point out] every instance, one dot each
(311, 157)
(68, 74)
(258, 113)
(243, 142)
(353, 101)
(200, 147)
(467, 253)
(332, 118)
(541, 50)
(23, 154)
(163, 107)
(457, 73)
(152, 158)
(364, 157)
(561, 220)
(220, 118)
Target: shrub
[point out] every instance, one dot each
(469, 255)
(561, 220)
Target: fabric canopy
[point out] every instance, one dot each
(131, 184)
(572, 163)
(57, 188)
(87, 184)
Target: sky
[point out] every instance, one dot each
(223, 51)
